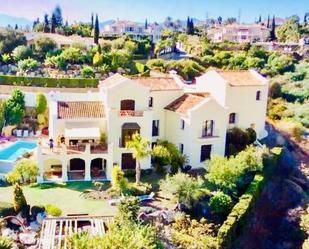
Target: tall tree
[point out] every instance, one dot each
(220, 20)
(58, 16)
(306, 17)
(140, 150)
(16, 26)
(188, 25)
(35, 23)
(92, 21)
(96, 30)
(53, 24)
(268, 22)
(146, 24)
(192, 26)
(46, 27)
(273, 30)
(260, 19)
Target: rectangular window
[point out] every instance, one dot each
(232, 118)
(208, 128)
(150, 103)
(155, 128)
(205, 152)
(258, 95)
(181, 148)
(182, 124)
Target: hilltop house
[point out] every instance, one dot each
(137, 30)
(194, 117)
(241, 33)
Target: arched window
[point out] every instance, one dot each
(258, 95)
(232, 118)
(127, 105)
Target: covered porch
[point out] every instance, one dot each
(85, 167)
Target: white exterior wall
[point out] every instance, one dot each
(214, 84)
(191, 138)
(127, 90)
(160, 100)
(242, 101)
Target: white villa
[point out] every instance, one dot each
(194, 117)
(241, 33)
(137, 30)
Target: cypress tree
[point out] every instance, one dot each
(96, 30)
(268, 22)
(53, 23)
(19, 200)
(46, 28)
(273, 30)
(146, 24)
(58, 16)
(16, 26)
(92, 21)
(188, 25)
(192, 27)
(260, 19)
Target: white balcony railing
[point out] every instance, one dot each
(130, 113)
(208, 134)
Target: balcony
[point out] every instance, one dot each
(205, 134)
(130, 113)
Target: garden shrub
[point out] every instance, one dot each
(43, 45)
(122, 235)
(221, 203)
(35, 210)
(129, 173)
(275, 90)
(187, 190)
(53, 210)
(5, 243)
(237, 217)
(135, 190)
(41, 103)
(19, 200)
(25, 171)
(192, 234)
(119, 182)
(87, 72)
(298, 76)
(129, 209)
(21, 53)
(28, 64)
(48, 82)
(6, 209)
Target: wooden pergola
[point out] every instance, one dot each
(55, 231)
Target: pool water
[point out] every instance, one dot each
(16, 150)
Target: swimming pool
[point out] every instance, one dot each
(16, 150)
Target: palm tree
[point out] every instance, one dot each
(140, 149)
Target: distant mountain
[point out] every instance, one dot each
(6, 20)
(107, 22)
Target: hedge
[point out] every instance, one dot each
(236, 219)
(48, 82)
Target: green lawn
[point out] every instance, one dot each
(65, 196)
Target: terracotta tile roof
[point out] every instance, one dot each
(186, 102)
(80, 109)
(158, 83)
(241, 78)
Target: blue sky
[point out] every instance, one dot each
(155, 10)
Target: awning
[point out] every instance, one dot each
(83, 133)
(131, 126)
